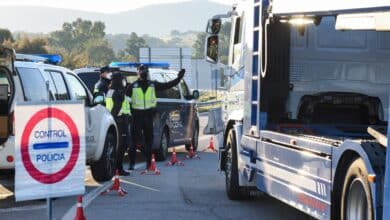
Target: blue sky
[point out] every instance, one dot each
(106, 6)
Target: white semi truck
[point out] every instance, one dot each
(312, 131)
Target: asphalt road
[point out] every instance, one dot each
(193, 191)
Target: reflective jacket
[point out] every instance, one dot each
(144, 100)
(110, 102)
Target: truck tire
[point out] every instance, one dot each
(104, 169)
(233, 189)
(194, 140)
(162, 152)
(356, 199)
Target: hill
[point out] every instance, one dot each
(155, 20)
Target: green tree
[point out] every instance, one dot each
(27, 45)
(133, 44)
(5, 35)
(74, 35)
(82, 43)
(99, 53)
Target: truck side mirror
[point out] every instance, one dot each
(214, 26)
(195, 94)
(212, 42)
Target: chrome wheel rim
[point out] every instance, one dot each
(357, 202)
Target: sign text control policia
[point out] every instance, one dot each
(50, 154)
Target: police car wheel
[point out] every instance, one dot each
(194, 140)
(162, 152)
(356, 199)
(104, 169)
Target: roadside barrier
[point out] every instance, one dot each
(116, 186)
(152, 169)
(211, 146)
(174, 161)
(79, 211)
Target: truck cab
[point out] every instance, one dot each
(315, 105)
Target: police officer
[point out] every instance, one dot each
(144, 103)
(118, 104)
(101, 87)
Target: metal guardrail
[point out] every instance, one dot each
(209, 103)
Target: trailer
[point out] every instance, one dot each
(312, 131)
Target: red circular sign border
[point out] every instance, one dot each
(25, 139)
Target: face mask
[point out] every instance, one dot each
(143, 75)
(109, 76)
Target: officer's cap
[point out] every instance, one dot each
(143, 68)
(105, 69)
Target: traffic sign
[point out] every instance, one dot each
(50, 150)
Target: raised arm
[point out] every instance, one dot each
(163, 86)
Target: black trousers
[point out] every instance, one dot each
(142, 132)
(123, 123)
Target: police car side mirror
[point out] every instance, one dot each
(195, 94)
(98, 100)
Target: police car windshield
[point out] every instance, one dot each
(159, 75)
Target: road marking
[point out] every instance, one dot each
(135, 184)
(89, 197)
(23, 208)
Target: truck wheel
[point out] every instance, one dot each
(233, 189)
(104, 169)
(195, 140)
(356, 200)
(162, 152)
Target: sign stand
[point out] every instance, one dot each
(49, 208)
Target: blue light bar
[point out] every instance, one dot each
(136, 64)
(51, 58)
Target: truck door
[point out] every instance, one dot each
(187, 111)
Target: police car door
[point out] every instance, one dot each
(169, 102)
(79, 92)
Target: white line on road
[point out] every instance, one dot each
(24, 208)
(89, 197)
(135, 184)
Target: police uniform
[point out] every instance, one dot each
(101, 87)
(143, 107)
(119, 106)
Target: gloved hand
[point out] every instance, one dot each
(181, 73)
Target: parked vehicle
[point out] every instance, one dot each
(176, 121)
(312, 130)
(37, 79)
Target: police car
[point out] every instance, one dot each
(176, 121)
(38, 79)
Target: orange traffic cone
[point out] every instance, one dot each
(152, 168)
(211, 146)
(116, 186)
(79, 211)
(191, 154)
(174, 161)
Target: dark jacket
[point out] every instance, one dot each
(102, 86)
